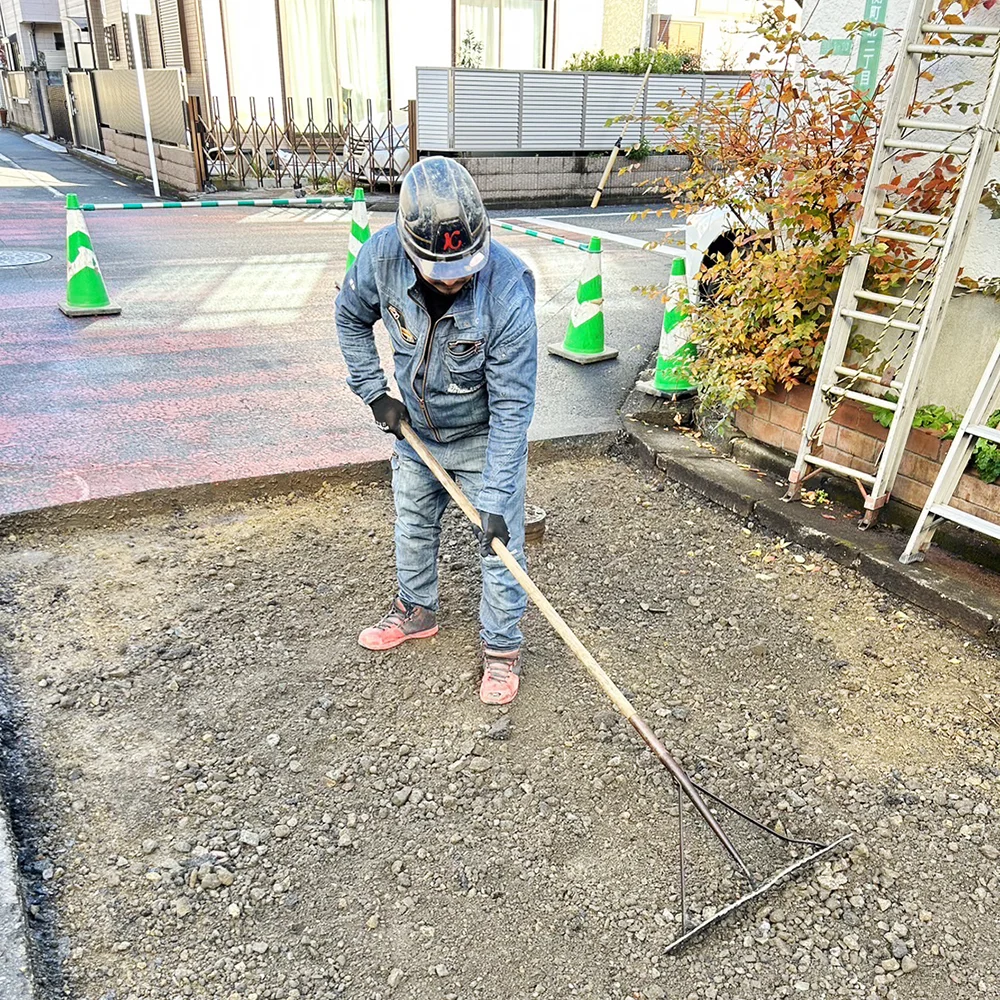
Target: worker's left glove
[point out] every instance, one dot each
(494, 526)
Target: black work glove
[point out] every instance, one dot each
(388, 412)
(494, 526)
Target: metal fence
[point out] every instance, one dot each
(497, 111)
(285, 145)
(119, 109)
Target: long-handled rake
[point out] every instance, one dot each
(695, 793)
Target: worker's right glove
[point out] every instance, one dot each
(388, 412)
(493, 526)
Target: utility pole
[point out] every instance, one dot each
(133, 7)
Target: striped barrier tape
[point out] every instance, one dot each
(585, 247)
(243, 203)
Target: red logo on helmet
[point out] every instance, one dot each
(453, 240)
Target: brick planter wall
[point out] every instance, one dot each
(853, 438)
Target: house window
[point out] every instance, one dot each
(680, 36)
(505, 34)
(111, 40)
(60, 41)
(354, 32)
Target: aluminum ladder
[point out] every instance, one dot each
(974, 427)
(884, 221)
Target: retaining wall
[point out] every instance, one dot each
(570, 180)
(853, 438)
(174, 165)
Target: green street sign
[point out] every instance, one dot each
(870, 49)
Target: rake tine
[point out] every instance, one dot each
(764, 887)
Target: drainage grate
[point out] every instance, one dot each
(16, 258)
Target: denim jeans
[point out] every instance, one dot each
(420, 503)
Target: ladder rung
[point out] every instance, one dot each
(982, 431)
(927, 147)
(932, 28)
(949, 50)
(896, 234)
(965, 519)
(889, 300)
(899, 213)
(860, 376)
(861, 397)
(896, 324)
(842, 470)
(920, 123)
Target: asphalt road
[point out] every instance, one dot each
(224, 363)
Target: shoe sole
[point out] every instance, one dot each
(426, 634)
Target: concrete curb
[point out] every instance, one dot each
(953, 589)
(15, 970)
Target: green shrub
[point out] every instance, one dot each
(635, 62)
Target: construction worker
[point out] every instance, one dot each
(460, 312)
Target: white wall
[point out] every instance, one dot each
(578, 29)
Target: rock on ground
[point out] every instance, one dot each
(242, 803)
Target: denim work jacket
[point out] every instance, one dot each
(472, 372)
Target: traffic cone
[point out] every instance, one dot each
(584, 341)
(673, 362)
(85, 291)
(360, 230)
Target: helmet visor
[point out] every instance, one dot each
(453, 268)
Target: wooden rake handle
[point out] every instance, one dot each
(581, 652)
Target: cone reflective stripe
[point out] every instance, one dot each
(85, 291)
(584, 341)
(676, 352)
(360, 230)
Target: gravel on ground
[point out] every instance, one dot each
(235, 801)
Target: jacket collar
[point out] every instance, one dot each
(462, 311)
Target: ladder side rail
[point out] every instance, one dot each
(954, 465)
(943, 283)
(852, 280)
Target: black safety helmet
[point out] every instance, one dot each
(441, 220)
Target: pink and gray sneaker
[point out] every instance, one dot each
(398, 625)
(501, 676)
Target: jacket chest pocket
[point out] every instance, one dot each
(403, 339)
(466, 364)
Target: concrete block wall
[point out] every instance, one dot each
(174, 165)
(853, 438)
(554, 180)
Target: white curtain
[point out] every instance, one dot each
(416, 39)
(523, 27)
(482, 18)
(308, 43)
(361, 57)
(252, 48)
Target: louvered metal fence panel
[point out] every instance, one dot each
(497, 111)
(118, 102)
(432, 108)
(487, 110)
(608, 96)
(552, 111)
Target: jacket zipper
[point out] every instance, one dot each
(424, 361)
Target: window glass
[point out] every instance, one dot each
(308, 39)
(522, 28)
(361, 57)
(684, 36)
(479, 34)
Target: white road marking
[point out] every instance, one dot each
(327, 216)
(539, 222)
(31, 174)
(605, 215)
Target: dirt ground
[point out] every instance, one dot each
(228, 798)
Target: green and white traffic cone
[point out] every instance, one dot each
(673, 361)
(360, 230)
(584, 341)
(85, 291)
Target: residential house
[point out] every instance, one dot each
(31, 34)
